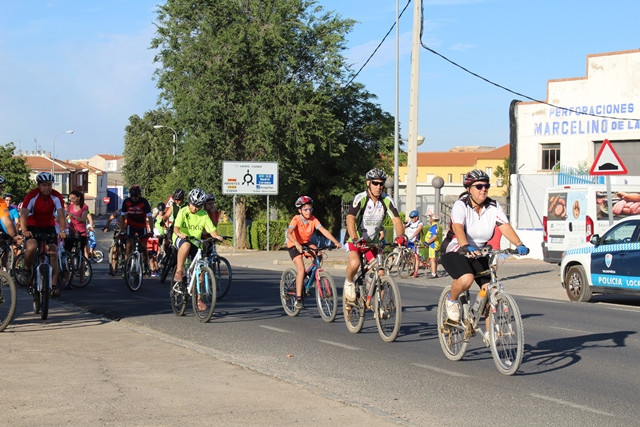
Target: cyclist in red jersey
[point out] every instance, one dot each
(136, 214)
(38, 216)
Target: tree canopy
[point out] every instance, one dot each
(15, 172)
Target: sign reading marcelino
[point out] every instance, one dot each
(257, 178)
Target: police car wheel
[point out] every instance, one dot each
(576, 284)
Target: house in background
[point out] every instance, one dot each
(112, 165)
(68, 176)
(96, 190)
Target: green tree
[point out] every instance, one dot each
(15, 172)
(262, 80)
(502, 172)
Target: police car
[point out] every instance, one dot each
(608, 264)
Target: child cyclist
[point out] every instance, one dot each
(299, 233)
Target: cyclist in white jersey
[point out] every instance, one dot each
(473, 219)
(413, 229)
(364, 222)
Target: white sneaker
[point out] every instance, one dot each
(453, 310)
(349, 291)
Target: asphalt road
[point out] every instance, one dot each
(576, 368)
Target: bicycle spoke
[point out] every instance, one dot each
(388, 309)
(506, 334)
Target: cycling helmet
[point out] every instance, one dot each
(210, 196)
(473, 176)
(135, 191)
(414, 214)
(197, 196)
(161, 206)
(2, 181)
(44, 177)
(5, 195)
(376, 173)
(178, 194)
(303, 200)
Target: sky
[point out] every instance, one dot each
(86, 65)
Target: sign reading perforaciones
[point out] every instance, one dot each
(257, 178)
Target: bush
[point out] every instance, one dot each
(258, 234)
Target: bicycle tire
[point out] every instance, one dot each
(391, 263)
(451, 337)
(169, 264)
(178, 296)
(406, 265)
(43, 271)
(326, 297)
(82, 279)
(8, 299)
(506, 334)
(388, 308)
(205, 289)
(20, 274)
(288, 292)
(98, 256)
(354, 311)
(222, 271)
(113, 260)
(133, 273)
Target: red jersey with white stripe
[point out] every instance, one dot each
(41, 208)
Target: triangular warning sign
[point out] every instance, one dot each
(607, 161)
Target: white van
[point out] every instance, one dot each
(575, 212)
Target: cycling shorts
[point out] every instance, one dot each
(132, 231)
(458, 265)
(369, 254)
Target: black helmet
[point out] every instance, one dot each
(303, 200)
(376, 173)
(473, 176)
(5, 195)
(161, 207)
(135, 191)
(44, 177)
(210, 196)
(178, 194)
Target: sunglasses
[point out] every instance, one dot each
(378, 183)
(307, 209)
(481, 186)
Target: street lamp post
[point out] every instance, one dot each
(175, 139)
(53, 149)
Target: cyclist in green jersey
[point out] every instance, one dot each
(191, 222)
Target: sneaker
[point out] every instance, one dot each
(349, 291)
(299, 304)
(453, 310)
(434, 276)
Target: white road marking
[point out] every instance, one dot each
(579, 331)
(337, 344)
(570, 404)
(271, 328)
(442, 371)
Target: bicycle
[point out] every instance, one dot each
(401, 261)
(76, 264)
(221, 270)
(169, 259)
(373, 283)
(116, 253)
(314, 278)
(8, 292)
(505, 334)
(134, 266)
(96, 256)
(201, 285)
(43, 273)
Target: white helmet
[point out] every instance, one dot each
(197, 196)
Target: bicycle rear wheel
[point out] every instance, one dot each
(81, 277)
(21, 275)
(288, 292)
(391, 263)
(98, 256)
(203, 298)
(113, 260)
(388, 309)
(8, 299)
(178, 296)
(43, 271)
(326, 297)
(133, 272)
(222, 270)
(451, 335)
(354, 311)
(168, 263)
(407, 264)
(506, 334)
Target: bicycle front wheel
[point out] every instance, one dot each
(43, 271)
(222, 270)
(451, 335)
(133, 273)
(391, 263)
(407, 264)
(506, 334)
(387, 308)
(81, 277)
(178, 296)
(288, 292)
(326, 297)
(113, 260)
(98, 256)
(203, 298)
(353, 311)
(168, 264)
(8, 299)
(21, 275)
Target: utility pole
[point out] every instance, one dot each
(412, 143)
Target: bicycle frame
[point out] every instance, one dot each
(42, 258)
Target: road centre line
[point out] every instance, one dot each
(271, 328)
(578, 331)
(441, 371)
(570, 404)
(337, 344)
